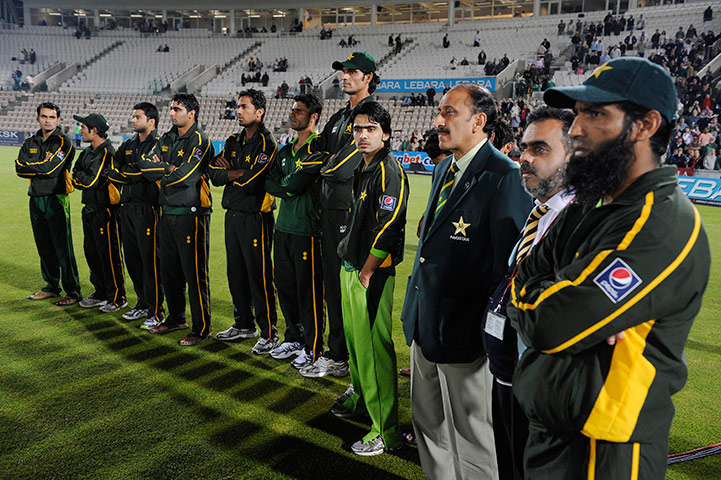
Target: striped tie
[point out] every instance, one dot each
(447, 187)
(530, 231)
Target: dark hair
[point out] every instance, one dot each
(432, 146)
(563, 115)
(49, 105)
(503, 134)
(375, 81)
(375, 113)
(660, 139)
(481, 101)
(311, 101)
(189, 101)
(101, 134)
(151, 111)
(257, 98)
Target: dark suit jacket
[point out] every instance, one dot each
(462, 255)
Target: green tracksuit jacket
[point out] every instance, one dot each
(46, 163)
(298, 214)
(247, 193)
(184, 191)
(136, 187)
(639, 264)
(378, 216)
(90, 174)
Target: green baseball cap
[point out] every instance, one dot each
(357, 61)
(94, 120)
(632, 79)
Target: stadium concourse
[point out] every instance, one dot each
(114, 70)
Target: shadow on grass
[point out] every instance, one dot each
(288, 455)
(715, 349)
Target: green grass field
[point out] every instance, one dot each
(87, 395)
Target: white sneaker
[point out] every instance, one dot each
(340, 399)
(303, 360)
(149, 323)
(235, 333)
(287, 350)
(324, 366)
(135, 314)
(112, 308)
(265, 345)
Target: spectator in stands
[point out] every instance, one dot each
(477, 39)
(630, 23)
(431, 94)
(561, 28)
(390, 40)
(464, 62)
(680, 34)
(630, 41)
(641, 23)
(691, 33)
(482, 57)
(264, 79)
(709, 161)
(284, 89)
(708, 14)
(446, 42)
(396, 144)
(679, 159)
(33, 56)
(399, 44)
(453, 63)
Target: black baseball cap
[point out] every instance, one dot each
(632, 79)
(357, 61)
(94, 120)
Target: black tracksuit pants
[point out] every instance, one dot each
(248, 245)
(333, 221)
(184, 244)
(140, 244)
(101, 245)
(299, 279)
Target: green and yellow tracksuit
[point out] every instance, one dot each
(101, 230)
(376, 226)
(46, 163)
(140, 219)
(249, 229)
(185, 204)
(297, 253)
(638, 265)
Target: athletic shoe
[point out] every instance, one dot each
(135, 314)
(340, 399)
(235, 333)
(341, 411)
(265, 345)
(92, 301)
(112, 308)
(370, 448)
(150, 322)
(287, 350)
(303, 360)
(324, 366)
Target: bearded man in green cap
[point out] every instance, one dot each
(606, 300)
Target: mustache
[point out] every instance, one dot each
(527, 168)
(443, 130)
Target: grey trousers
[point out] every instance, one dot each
(452, 418)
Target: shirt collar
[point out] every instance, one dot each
(559, 201)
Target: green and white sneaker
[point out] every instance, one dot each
(149, 323)
(370, 448)
(135, 314)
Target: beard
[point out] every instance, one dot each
(546, 186)
(600, 172)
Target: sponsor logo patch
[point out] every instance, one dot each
(198, 153)
(388, 203)
(61, 155)
(262, 158)
(617, 280)
(33, 150)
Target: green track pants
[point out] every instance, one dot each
(50, 219)
(367, 315)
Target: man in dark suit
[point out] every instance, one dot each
(475, 211)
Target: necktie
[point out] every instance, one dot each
(448, 181)
(530, 231)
